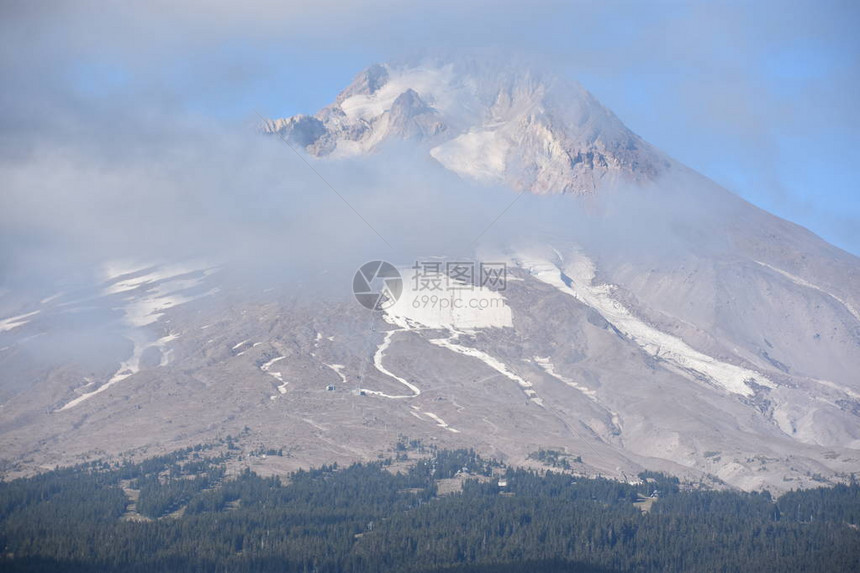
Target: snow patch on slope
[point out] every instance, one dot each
(800, 282)
(480, 155)
(377, 362)
(847, 391)
(145, 297)
(576, 279)
(437, 86)
(448, 308)
(338, 369)
(549, 368)
(15, 321)
(440, 422)
(128, 367)
(497, 365)
(267, 368)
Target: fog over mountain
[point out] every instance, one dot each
(193, 282)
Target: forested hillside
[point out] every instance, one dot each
(182, 513)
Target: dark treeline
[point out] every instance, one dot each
(367, 518)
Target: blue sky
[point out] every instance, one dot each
(759, 96)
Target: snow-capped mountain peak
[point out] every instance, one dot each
(484, 121)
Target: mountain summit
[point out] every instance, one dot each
(484, 122)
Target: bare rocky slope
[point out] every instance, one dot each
(713, 341)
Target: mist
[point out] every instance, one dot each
(246, 202)
(130, 135)
(758, 96)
